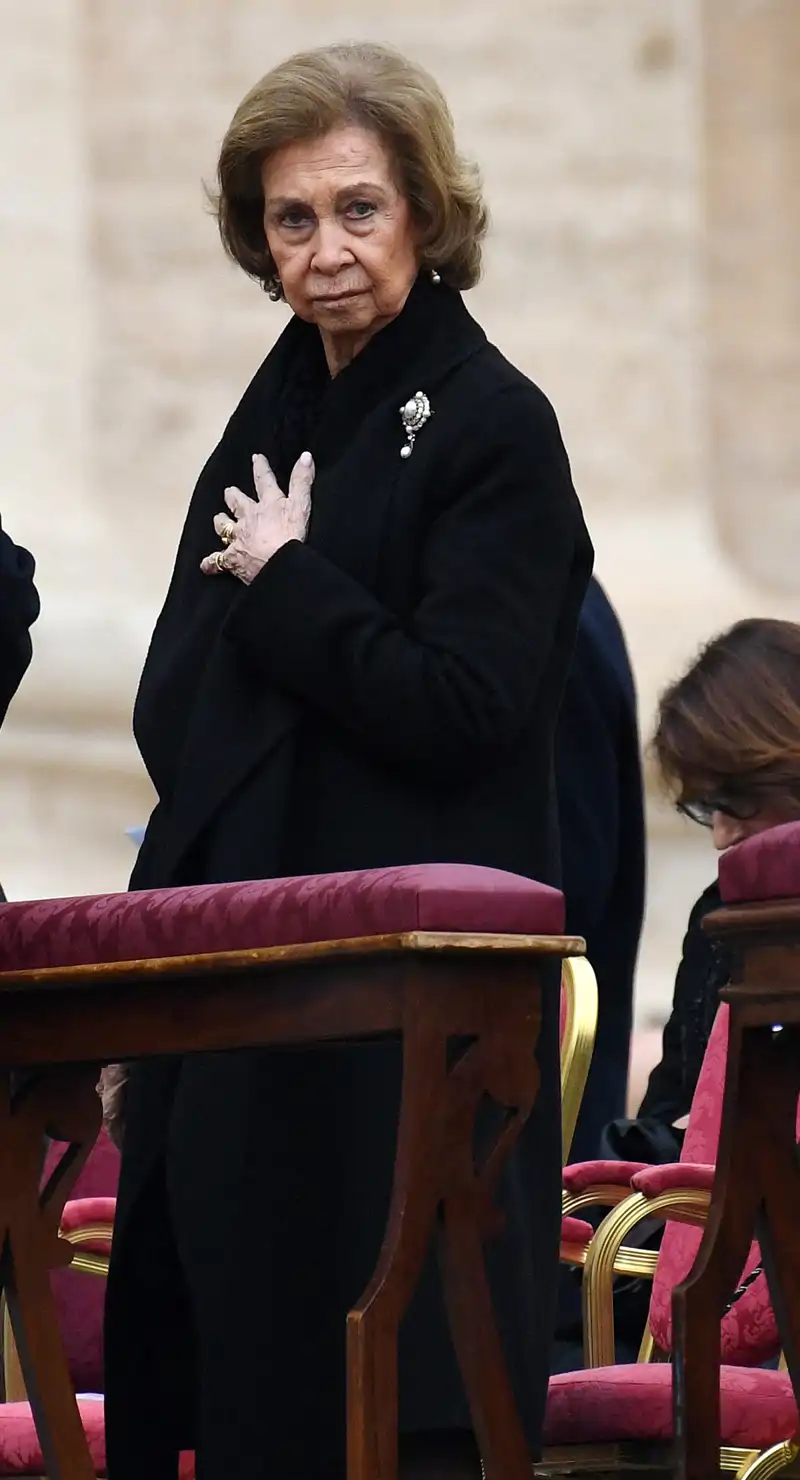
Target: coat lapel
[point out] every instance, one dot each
(237, 720)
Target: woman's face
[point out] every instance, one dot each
(731, 816)
(727, 830)
(340, 232)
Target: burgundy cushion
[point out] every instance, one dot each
(20, 1450)
(749, 1334)
(582, 1174)
(671, 1176)
(764, 867)
(608, 1404)
(21, 1453)
(87, 1212)
(575, 1231)
(277, 912)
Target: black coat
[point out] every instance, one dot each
(19, 608)
(385, 693)
(601, 812)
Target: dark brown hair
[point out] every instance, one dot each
(376, 87)
(732, 723)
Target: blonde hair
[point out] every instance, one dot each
(378, 88)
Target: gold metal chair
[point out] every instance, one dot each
(578, 1029)
(604, 1257)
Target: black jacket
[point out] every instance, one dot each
(601, 812)
(385, 693)
(704, 968)
(19, 608)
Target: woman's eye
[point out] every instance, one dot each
(294, 217)
(361, 210)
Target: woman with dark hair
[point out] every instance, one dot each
(727, 746)
(359, 663)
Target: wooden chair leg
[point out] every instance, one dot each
(372, 1326)
(45, 1370)
(698, 1305)
(65, 1103)
(435, 1168)
(779, 1178)
(469, 1304)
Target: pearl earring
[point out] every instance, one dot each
(435, 277)
(274, 290)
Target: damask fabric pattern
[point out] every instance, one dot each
(21, 1452)
(764, 867)
(608, 1404)
(226, 917)
(749, 1331)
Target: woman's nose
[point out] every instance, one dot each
(331, 249)
(725, 830)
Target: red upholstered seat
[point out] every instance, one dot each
(612, 1404)
(276, 912)
(764, 867)
(20, 1451)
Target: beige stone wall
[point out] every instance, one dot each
(127, 337)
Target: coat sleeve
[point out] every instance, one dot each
(587, 778)
(19, 608)
(672, 1083)
(449, 690)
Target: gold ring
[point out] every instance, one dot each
(228, 534)
(219, 561)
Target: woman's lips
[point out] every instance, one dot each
(338, 297)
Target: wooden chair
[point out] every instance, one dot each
(620, 1417)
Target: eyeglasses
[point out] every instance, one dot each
(702, 809)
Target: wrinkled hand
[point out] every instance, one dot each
(261, 525)
(113, 1089)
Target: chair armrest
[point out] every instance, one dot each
(683, 1204)
(674, 1176)
(576, 1236)
(582, 1174)
(88, 1224)
(589, 1184)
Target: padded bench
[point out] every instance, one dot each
(424, 953)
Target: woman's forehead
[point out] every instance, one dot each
(343, 158)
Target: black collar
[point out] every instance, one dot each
(433, 333)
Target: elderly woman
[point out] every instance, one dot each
(359, 663)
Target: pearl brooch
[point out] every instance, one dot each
(414, 415)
